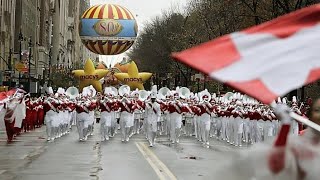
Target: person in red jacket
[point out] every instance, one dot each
(40, 113)
(297, 157)
(9, 108)
(28, 119)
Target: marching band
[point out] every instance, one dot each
(234, 118)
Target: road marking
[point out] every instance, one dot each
(158, 166)
(165, 168)
(154, 167)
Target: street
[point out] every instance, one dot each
(30, 157)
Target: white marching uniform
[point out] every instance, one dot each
(106, 118)
(153, 113)
(126, 119)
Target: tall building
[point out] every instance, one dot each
(45, 29)
(67, 47)
(44, 40)
(7, 26)
(27, 40)
(60, 29)
(85, 53)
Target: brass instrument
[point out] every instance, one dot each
(111, 90)
(163, 92)
(143, 95)
(184, 93)
(205, 93)
(72, 92)
(124, 90)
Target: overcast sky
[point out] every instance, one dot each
(145, 9)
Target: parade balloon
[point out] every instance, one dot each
(133, 78)
(122, 67)
(101, 66)
(110, 79)
(90, 76)
(108, 29)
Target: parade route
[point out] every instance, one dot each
(161, 90)
(30, 157)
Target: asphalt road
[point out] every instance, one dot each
(30, 157)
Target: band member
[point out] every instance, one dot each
(50, 109)
(19, 113)
(153, 113)
(174, 108)
(189, 116)
(82, 116)
(205, 118)
(138, 109)
(126, 117)
(92, 105)
(106, 116)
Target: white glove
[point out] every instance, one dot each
(283, 113)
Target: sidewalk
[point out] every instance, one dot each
(22, 151)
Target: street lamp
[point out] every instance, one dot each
(20, 51)
(49, 71)
(29, 63)
(10, 67)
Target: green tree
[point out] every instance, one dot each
(202, 21)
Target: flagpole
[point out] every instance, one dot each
(305, 121)
(301, 119)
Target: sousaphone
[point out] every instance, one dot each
(228, 96)
(143, 95)
(124, 89)
(163, 92)
(72, 92)
(184, 93)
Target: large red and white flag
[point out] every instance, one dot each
(265, 61)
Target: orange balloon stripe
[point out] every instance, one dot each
(128, 45)
(96, 14)
(114, 12)
(86, 14)
(128, 13)
(109, 46)
(101, 12)
(93, 11)
(105, 48)
(100, 45)
(120, 16)
(122, 47)
(91, 45)
(114, 47)
(105, 12)
(97, 48)
(123, 14)
(88, 47)
(110, 12)
(119, 44)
